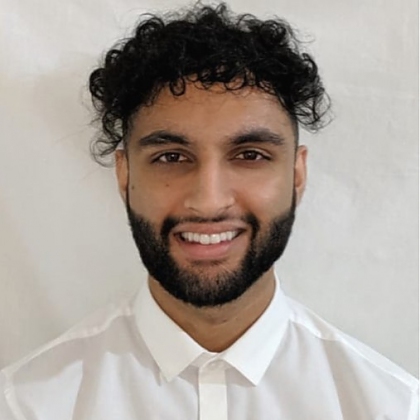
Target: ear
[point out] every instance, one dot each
(121, 170)
(300, 172)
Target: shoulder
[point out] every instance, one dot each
(358, 371)
(41, 377)
(5, 410)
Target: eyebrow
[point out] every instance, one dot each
(163, 137)
(258, 135)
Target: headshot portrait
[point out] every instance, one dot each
(209, 210)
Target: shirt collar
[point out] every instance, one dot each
(174, 350)
(252, 353)
(171, 347)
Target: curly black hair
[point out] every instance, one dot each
(206, 45)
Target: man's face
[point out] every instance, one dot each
(210, 180)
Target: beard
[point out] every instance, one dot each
(196, 286)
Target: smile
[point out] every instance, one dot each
(209, 239)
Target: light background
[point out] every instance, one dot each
(65, 248)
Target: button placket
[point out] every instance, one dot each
(212, 391)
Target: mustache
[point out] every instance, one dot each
(171, 222)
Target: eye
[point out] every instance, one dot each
(171, 157)
(251, 155)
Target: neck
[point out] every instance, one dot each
(217, 328)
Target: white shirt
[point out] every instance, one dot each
(130, 362)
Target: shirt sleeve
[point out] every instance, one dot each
(5, 412)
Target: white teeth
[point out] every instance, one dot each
(215, 238)
(206, 239)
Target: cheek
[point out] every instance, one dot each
(153, 200)
(269, 198)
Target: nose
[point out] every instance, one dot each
(210, 192)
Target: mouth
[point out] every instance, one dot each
(209, 246)
(208, 238)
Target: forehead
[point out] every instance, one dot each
(209, 114)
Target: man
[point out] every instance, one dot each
(202, 112)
